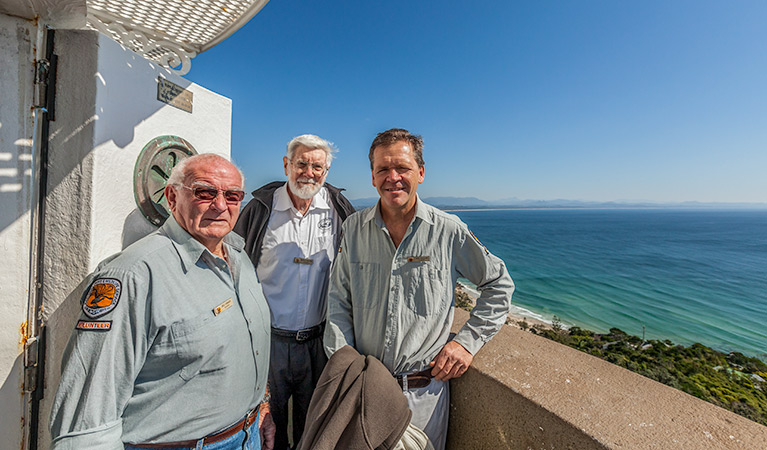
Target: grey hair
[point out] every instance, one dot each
(312, 142)
(178, 174)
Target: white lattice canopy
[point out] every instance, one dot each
(171, 32)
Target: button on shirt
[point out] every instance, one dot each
(396, 303)
(297, 252)
(180, 359)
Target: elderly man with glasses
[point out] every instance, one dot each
(292, 232)
(172, 346)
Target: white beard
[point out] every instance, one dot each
(302, 189)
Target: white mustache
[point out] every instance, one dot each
(306, 180)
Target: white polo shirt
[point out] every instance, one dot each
(296, 255)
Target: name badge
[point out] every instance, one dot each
(223, 307)
(104, 325)
(418, 258)
(306, 261)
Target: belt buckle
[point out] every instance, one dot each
(248, 416)
(245, 428)
(302, 335)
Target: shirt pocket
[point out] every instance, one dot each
(424, 286)
(368, 284)
(258, 316)
(323, 252)
(200, 345)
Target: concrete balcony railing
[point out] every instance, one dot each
(526, 392)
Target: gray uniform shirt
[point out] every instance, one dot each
(172, 344)
(396, 303)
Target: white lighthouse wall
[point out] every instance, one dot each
(107, 111)
(17, 42)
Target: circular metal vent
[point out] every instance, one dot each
(152, 170)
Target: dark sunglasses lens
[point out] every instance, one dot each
(205, 193)
(234, 196)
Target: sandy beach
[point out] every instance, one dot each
(514, 317)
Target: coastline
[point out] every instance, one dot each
(730, 380)
(594, 268)
(515, 316)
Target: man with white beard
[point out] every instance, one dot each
(292, 232)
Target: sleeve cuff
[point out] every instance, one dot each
(105, 437)
(469, 340)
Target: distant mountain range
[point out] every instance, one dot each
(515, 203)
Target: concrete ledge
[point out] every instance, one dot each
(527, 392)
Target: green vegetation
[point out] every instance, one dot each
(463, 300)
(733, 381)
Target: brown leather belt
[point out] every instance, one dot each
(245, 423)
(414, 380)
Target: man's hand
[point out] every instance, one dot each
(266, 427)
(451, 362)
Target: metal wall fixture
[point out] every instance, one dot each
(153, 167)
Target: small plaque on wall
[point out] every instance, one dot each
(174, 95)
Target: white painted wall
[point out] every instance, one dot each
(129, 116)
(17, 37)
(106, 112)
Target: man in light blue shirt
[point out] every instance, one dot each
(392, 285)
(172, 347)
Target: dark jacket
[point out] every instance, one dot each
(255, 216)
(357, 405)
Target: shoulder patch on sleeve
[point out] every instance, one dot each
(102, 297)
(480, 244)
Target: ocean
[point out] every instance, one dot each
(685, 275)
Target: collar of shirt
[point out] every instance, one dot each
(189, 249)
(421, 212)
(282, 200)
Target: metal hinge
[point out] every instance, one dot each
(42, 69)
(45, 85)
(34, 364)
(31, 355)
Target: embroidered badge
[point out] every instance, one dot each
(102, 298)
(306, 261)
(325, 224)
(223, 307)
(105, 325)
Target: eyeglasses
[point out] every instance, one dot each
(317, 168)
(209, 193)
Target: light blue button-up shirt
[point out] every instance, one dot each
(182, 351)
(397, 303)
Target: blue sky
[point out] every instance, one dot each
(583, 100)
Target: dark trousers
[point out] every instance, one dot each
(293, 371)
